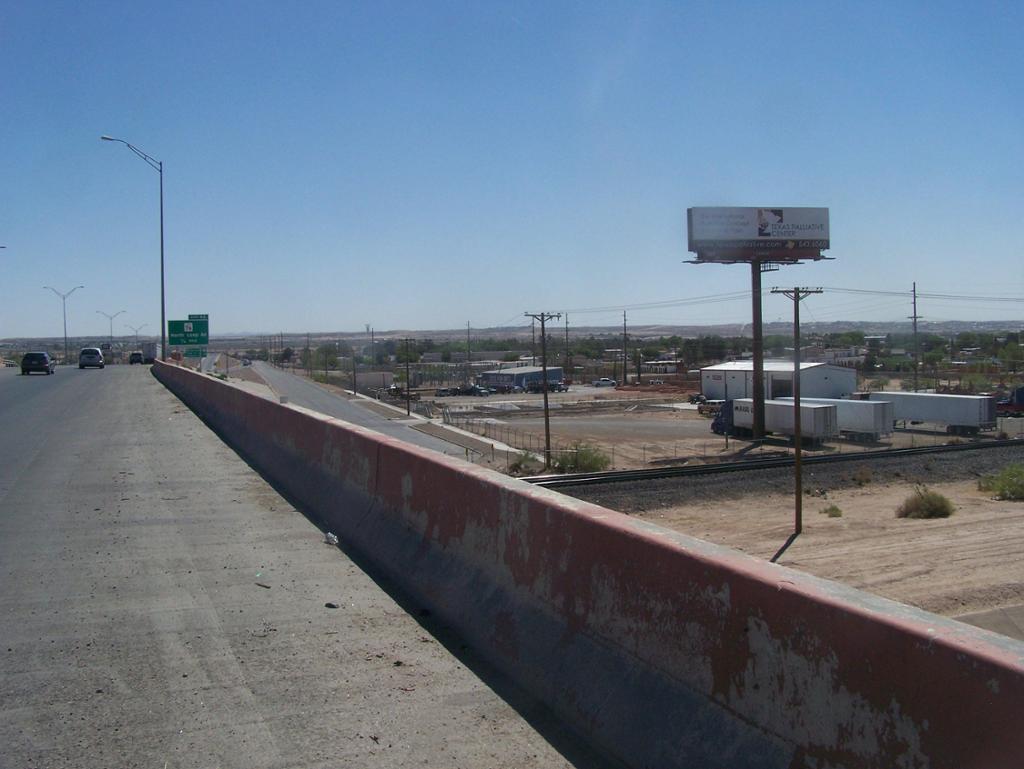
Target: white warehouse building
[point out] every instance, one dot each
(735, 379)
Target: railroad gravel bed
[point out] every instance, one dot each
(641, 496)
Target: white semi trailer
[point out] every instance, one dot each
(150, 351)
(818, 421)
(858, 420)
(962, 414)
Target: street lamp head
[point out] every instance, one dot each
(157, 166)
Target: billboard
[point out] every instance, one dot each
(731, 231)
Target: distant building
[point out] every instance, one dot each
(837, 356)
(459, 356)
(371, 380)
(735, 379)
(661, 366)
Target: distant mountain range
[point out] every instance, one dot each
(944, 328)
(638, 331)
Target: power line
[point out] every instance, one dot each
(922, 294)
(739, 295)
(711, 299)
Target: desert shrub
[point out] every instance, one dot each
(862, 476)
(582, 459)
(524, 464)
(925, 503)
(1008, 483)
(832, 511)
(878, 384)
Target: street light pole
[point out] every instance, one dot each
(159, 166)
(111, 319)
(64, 305)
(136, 330)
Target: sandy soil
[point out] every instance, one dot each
(969, 562)
(641, 435)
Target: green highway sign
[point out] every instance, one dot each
(195, 352)
(199, 317)
(181, 333)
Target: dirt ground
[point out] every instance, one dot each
(969, 562)
(643, 434)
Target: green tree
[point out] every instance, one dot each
(713, 347)
(413, 356)
(326, 356)
(1011, 355)
(966, 339)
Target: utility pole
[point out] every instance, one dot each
(625, 354)
(408, 381)
(914, 318)
(796, 294)
(567, 374)
(543, 317)
(533, 342)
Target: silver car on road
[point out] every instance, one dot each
(90, 357)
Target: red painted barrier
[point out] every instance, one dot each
(660, 649)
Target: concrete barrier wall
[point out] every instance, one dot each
(660, 649)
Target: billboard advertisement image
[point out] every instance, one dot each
(779, 228)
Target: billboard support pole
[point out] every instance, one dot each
(766, 238)
(755, 293)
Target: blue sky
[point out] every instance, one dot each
(418, 165)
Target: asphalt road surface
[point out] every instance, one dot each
(164, 607)
(307, 394)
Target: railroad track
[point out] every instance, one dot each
(619, 476)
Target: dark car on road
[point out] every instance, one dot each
(136, 357)
(37, 361)
(537, 386)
